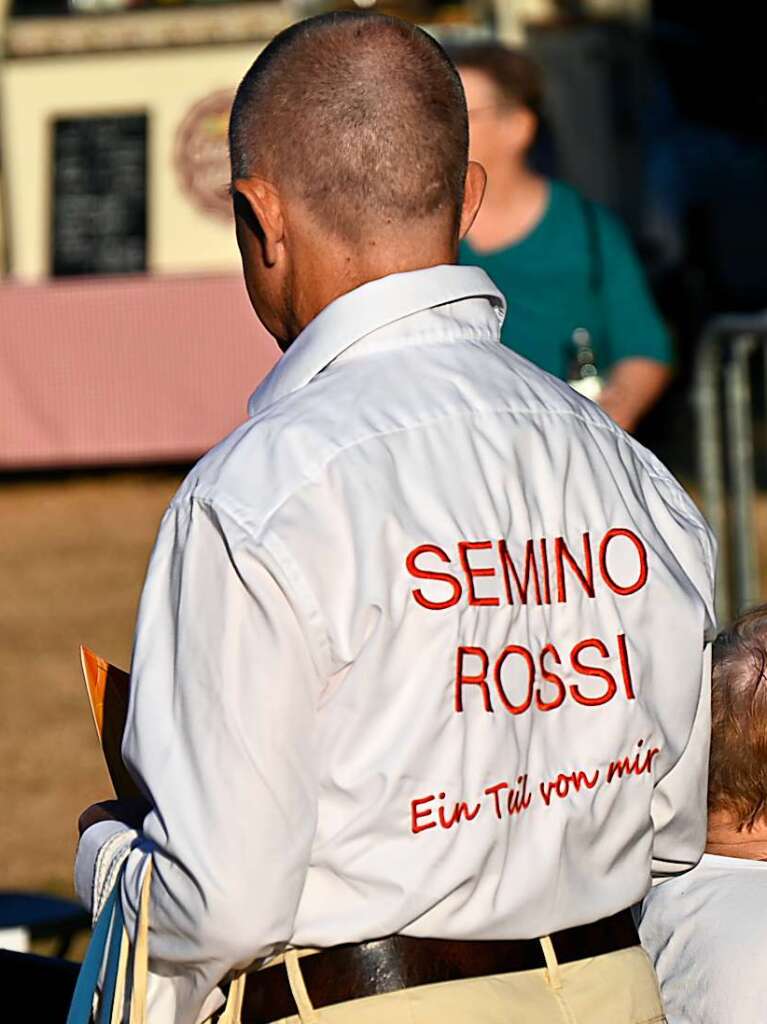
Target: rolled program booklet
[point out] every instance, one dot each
(108, 693)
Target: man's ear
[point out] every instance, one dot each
(257, 205)
(473, 192)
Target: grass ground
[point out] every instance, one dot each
(73, 552)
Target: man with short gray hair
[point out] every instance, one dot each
(419, 696)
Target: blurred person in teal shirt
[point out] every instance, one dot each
(578, 300)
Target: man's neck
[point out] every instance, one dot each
(515, 201)
(325, 273)
(724, 839)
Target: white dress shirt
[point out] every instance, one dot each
(384, 621)
(706, 932)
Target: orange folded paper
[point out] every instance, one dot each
(108, 692)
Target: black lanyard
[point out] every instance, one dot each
(596, 257)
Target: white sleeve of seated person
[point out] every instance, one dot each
(220, 733)
(679, 808)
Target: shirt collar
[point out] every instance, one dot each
(364, 310)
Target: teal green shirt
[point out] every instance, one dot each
(566, 274)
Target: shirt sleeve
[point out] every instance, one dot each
(678, 810)
(634, 325)
(220, 735)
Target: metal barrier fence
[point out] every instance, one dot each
(726, 410)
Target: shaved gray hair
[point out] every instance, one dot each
(361, 116)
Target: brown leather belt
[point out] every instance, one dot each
(343, 973)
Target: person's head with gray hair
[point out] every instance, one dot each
(349, 142)
(737, 789)
(706, 929)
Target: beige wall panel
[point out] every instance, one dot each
(166, 84)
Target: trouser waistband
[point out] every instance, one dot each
(341, 974)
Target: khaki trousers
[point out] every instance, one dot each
(617, 988)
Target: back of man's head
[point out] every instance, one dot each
(738, 764)
(359, 116)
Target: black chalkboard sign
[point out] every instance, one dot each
(99, 203)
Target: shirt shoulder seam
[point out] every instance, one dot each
(242, 517)
(280, 555)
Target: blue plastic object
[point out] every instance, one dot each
(105, 942)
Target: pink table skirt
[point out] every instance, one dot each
(100, 371)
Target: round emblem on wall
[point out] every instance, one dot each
(202, 156)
